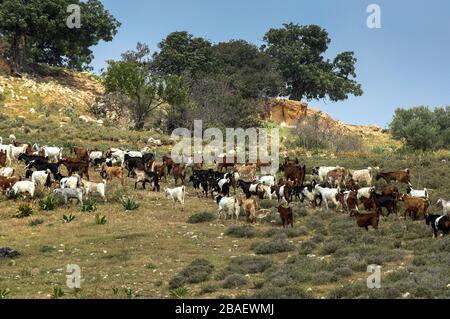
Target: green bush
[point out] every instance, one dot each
(48, 203)
(289, 232)
(89, 206)
(422, 128)
(197, 271)
(201, 218)
(129, 204)
(234, 281)
(24, 210)
(245, 231)
(36, 222)
(272, 247)
(245, 265)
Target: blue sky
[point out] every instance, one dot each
(404, 64)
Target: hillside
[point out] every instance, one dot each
(148, 252)
(63, 96)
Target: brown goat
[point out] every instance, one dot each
(366, 220)
(349, 200)
(226, 162)
(80, 152)
(250, 205)
(396, 176)
(8, 182)
(368, 203)
(338, 177)
(2, 158)
(75, 165)
(168, 162)
(109, 172)
(295, 173)
(415, 206)
(286, 215)
(179, 172)
(159, 168)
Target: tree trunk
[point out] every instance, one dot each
(19, 52)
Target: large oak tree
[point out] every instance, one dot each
(299, 52)
(36, 31)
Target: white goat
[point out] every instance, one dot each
(53, 153)
(363, 175)
(95, 155)
(176, 194)
(41, 178)
(365, 192)
(70, 193)
(323, 171)
(90, 187)
(15, 151)
(417, 192)
(228, 206)
(23, 187)
(268, 180)
(70, 182)
(7, 171)
(328, 194)
(445, 204)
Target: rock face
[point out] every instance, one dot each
(68, 89)
(286, 112)
(289, 113)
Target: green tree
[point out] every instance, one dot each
(181, 53)
(36, 31)
(422, 128)
(143, 89)
(250, 71)
(298, 51)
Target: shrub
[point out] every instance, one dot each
(48, 203)
(36, 222)
(129, 204)
(4, 293)
(208, 289)
(272, 247)
(329, 248)
(307, 247)
(89, 205)
(289, 232)
(201, 218)
(342, 272)
(197, 271)
(67, 218)
(421, 127)
(100, 219)
(245, 231)
(234, 281)
(179, 293)
(24, 210)
(46, 249)
(246, 265)
(323, 277)
(288, 292)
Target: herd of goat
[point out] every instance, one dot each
(346, 189)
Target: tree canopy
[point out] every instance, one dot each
(36, 31)
(422, 128)
(299, 53)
